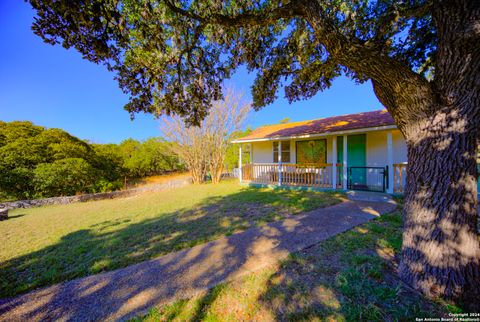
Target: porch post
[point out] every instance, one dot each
(334, 161)
(345, 164)
(251, 153)
(279, 163)
(390, 161)
(240, 162)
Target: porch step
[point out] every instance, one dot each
(370, 196)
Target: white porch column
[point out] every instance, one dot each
(251, 153)
(334, 162)
(279, 163)
(345, 164)
(390, 161)
(240, 162)
(293, 152)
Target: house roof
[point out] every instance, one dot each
(341, 123)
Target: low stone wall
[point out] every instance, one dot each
(94, 196)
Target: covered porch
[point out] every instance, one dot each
(359, 160)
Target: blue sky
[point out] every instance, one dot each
(54, 87)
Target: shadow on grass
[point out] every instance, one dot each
(349, 277)
(105, 247)
(15, 216)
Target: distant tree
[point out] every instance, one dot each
(129, 149)
(16, 182)
(150, 157)
(109, 161)
(158, 156)
(190, 144)
(13, 131)
(285, 120)
(62, 145)
(225, 118)
(63, 177)
(203, 148)
(28, 153)
(19, 155)
(231, 156)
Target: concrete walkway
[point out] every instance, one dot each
(356, 195)
(124, 293)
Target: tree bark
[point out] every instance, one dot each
(441, 250)
(440, 121)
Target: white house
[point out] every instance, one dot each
(362, 151)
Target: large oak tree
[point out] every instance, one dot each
(422, 57)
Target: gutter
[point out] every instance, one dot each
(324, 134)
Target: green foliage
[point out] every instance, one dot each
(148, 158)
(173, 56)
(109, 160)
(39, 162)
(231, 157)
(103, 185)
(63, 177)
(12, 131)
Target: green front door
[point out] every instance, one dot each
(478, 178)
(357, 157)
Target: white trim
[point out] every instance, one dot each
(279, 163)
(345, 163)
(390, 161)
(251, 152)
(334, 162)
(240, 162)
(273, 153)
(324, 134)
(293, 152)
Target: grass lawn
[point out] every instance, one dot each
(349, 277)
(43, 246)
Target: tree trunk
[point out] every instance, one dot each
(441, 250)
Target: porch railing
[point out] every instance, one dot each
(310, 175)
(399, 177)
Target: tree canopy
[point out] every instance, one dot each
(172, 56)
(40, 162)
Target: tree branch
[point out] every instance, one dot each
(397, 87)
(395, 12)
(290, 10)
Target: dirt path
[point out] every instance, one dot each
(124, 293)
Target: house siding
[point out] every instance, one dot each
(376, 146)
(262, 152)
(399, 148)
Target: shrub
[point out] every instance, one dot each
(63, 177)
(103, 185)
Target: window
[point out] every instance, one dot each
(285, 152)
(313, 151)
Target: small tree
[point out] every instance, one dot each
(203, 148)
(224, 119)
(189, 145)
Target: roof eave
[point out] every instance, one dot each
(323, 134)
